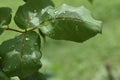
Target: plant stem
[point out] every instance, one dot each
(33, 29)
(13, 30)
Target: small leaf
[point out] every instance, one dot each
(35, 76)
(28, 14)
(5, 15)
(21, 55)
(1, 30)
(69, 23)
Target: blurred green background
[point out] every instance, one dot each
(66, 60)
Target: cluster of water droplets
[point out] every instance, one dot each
(33, 18)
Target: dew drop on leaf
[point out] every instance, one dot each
(33, 55)
(26, 39)
(43, 11)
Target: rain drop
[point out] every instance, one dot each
(26, 39)
(48, 12)
(15, 52)
(33, 55)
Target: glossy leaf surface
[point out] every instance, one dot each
(69, 23)
(3, 76)
(5, 16)
(21, 55)
(28, 14)
(1, 30)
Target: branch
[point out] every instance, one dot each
(13, 30)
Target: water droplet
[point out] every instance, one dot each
(55, 12)
(26, 39)
(43, 11)
(15, 52)
(33, 55)
(35, 21)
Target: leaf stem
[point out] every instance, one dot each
(11, 29)
(33, 29)
(15, 30)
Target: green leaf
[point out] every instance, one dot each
(21, 55)
(25, 0)
(35, 76)
(3, 76)
(1, 30)
(28, 14)
(42, 35)
(69, 23)
(5, 15)
(91, 1)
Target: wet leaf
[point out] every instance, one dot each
(42, 35)
(28, 15)
(5, 16)
(69, 23)
(35, 76)
(21, 55)
(1, 30)
(25, 0)
(3, 76)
